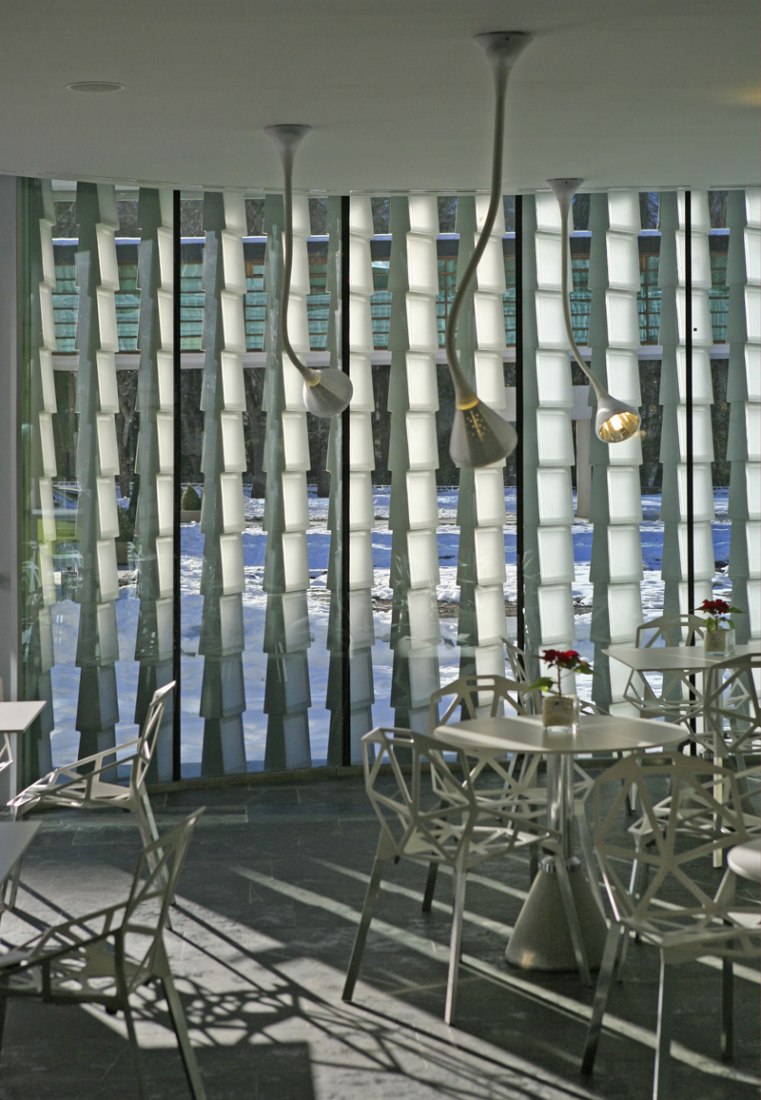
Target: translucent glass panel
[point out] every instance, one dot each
(430, 569)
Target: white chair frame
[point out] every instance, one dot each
(479, 695)
(458, 811)
(672, 911)
(105, 956)
(88, 783)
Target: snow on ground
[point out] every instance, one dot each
(66, 616)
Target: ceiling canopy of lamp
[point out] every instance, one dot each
(614, 421)
(326, 392)
(480, 436)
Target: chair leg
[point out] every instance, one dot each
(430, 886)
(179, 1022)
(533, 863)
(572, 919)
(727, 1010)
(663, 1036)
(604, 980)
(149, 834)
(362, 929)
(588, 855)
(135, 1048)
(146, 822)
(459, 882)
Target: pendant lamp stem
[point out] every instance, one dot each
(326, 392)
(480, 435)
(615, 421)
(501, 49)
(564, 190)
(288, 138)
(464, 394)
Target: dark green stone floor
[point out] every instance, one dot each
(262, 931)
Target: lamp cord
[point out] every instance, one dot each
(565, 206)
(465, 396)
(310, 376)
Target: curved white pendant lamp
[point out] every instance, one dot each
(326, 392)
(614, 421)
(480, 435)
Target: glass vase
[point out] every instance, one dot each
(560, 714)
(719, 641)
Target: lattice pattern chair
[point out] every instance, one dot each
(89, 783)
(674, 696)
(671, 630)
(490, 695)
(479, 696)
(104, 957)
(458, 810)
(732, 706)
(673, 910)
(6, 752)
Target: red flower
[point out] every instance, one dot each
(715, 607)
(562, 658)
(569, 659)
(718, 611)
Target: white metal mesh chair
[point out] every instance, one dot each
(732, 707)
(479, 695)
(671, 630)
(105, 956)
(674, 695)
(488, 695)
(457, 810)
(675, 910)
(6, 752)
(89, 783)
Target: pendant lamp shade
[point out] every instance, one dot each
(326, 392)
(480, 436)
(614, 420)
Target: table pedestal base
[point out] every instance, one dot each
(541, 939)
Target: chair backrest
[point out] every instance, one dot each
(6, 752)
(690, 808)
(732, 704)
(148, 734)
(671, 630)
(516, 659)
(478, 696)
(153, 889)
(439, 803)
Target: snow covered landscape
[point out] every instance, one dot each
(66, 675)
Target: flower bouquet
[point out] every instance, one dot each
(720, 628)
(560, 711)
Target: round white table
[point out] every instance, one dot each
(560, 926)
(745, 859)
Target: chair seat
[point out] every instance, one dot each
(88, 782)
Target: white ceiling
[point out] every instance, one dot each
(650, 94)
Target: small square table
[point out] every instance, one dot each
(15, 719)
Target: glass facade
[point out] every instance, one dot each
(337, 573)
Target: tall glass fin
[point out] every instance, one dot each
(223, 460)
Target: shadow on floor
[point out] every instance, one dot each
(262, 932)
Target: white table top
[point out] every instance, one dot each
(665, 658)
(15, 838)
(745, 859)
(18, 715)
(595, 733)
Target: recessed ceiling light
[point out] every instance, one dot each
(95, 86)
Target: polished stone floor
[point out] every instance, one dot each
(264, 922)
